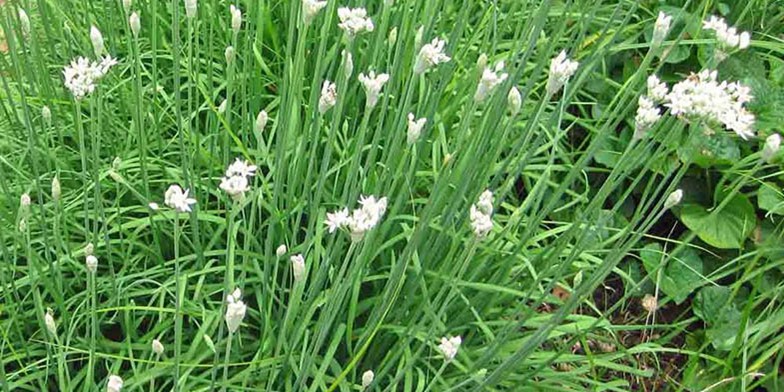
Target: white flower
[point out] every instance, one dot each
(114, 384)
(702, 97)
(153, 206)
(561, 69)
(92, 263)
(430, 55)
(177, 199)
(157, 347)
(97, 39)
(728, 37)
(348, 64)
(481, 214)
(647, 115)
(235, 310)
(661, 28)
(336, 220)
(657, 90)
(236, 18)
(673, 199)
(49, 322)
(135, 24)
(190, 9)
(235, 186)
(56, 190)
(449, 347)
(772, 146)
(241, 168)
(298, 267)
(415, 128)
(361, 220)
(24, 22)
(310, 8)
(25, 200)
(367, 378)
(329, 96)
(261, 121)
(81, 75)
(229, 54)
(373, 84)
(354, 21)
(281, 250)
(514, 101)
(489, 81)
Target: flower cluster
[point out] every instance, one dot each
(82, 74)
(361, 220)
(310, 8)
(481, 214)
(235, 182)
(354, 21)
(430, 55)
(728, 37)
(372, 84)
(647, 115)
(177, 199)
(561, 69)
(491, 78)
(449, 346)
(329, 96)
(701, 96)
(235, 310)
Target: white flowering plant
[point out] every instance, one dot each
(391, 195)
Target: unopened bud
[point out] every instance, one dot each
(281, 251)
(24, 22)
(673, 199)
(418, 37)
(157, 347)
(481, 63)
(772, 146)
(514, 100)
(222, 107)
(190, 9)
(56, 190)
(97, 39)
(392, 36)
(649, 303)
(367, 378)
(127, 5)
(46, 115)
(261, 122)
(89, 249)
(92, 263)
(116, 162)
(49, 322)
(236, 18)
(348, 64)
(229, 54)
(298, 267)
(135, 24)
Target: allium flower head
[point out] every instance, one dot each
(727, 37)
(235, 310)
(657, 90)
(481, 214)
(191, 7)
(430, 55)
(489, 81)
(236, 18)
(114, 384)
(449, 346)
(329, 96)
(97, 39)
(310, 8)
(82, 74)
(702, 97)
(373, 84)
(336, 220)
(561, 69)
(772, 146)
(51, 326)
(661, 28)
(354, 21)
(178, 199)
(367, 378)
(235, 183)
(157, 347)
(647, 115)
(92, 263)
(298, 267)
(414, 128)
(361, 220)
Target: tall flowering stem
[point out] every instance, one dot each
(177, 302)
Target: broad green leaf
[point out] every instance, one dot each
(726, 228)
(709, 147)
(713, 305)
(770, 198)
(682, 273)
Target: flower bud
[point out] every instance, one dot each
(24, 22)
(392, 37)
(127, 5)
(25, 200)
(157, 347)
(673, 199)
(235, 310)
(92, 263)
(23, 225)
(661, 28)
(649, 303)
(114, 384)
(49, 322)
(261, 121)
(298, 267)
(229, 54)
(348, 64)
(236, 18)
(772, 146)
(222, 107)
(46, 115)
(514, 100)
(116, 162)
(418, 37)
(135, 24)
(97, 39)
(89, 249)
(56, 191)
(190, 9)
(281, 251)
(367, 378)
(481, 63)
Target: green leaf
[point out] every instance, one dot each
(770, 199)
(714, 306)
(726, 228)
(709, 148)
(682, 274)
